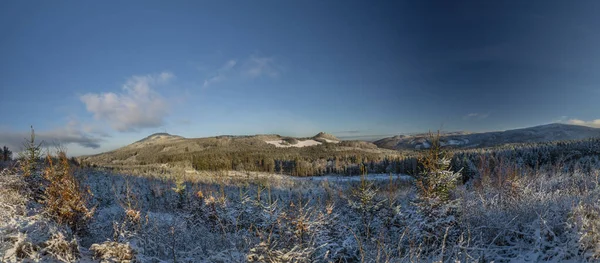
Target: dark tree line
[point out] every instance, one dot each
(345, 164)
(562, 155)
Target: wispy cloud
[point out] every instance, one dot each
(257, 66)
(222, 74)
(348, 132)
(72, 132)
(560, 119)
(138, 106)
(593, 123)
(254, 66)
(366, 137)
(476, 116)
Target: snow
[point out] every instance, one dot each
(283, 144)
(254, 176)
(355, 178)
(247, 217)
(331, 141)
(424, 145)
(455, 142)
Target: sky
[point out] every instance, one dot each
(98, 75)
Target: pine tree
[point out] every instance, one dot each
(31, 156)
(6, 154)
(436, 179)
(435, 207)
(363, 199)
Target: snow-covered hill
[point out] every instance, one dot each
(543, 133)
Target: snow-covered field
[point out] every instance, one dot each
(545, 217)
(300, 144)
(330, 141)
(342, 178)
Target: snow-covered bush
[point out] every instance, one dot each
(437, 211)
(113, 252)
(62, 249)
(25, 233)
(364, 200)
(271, 254)
(585, 220)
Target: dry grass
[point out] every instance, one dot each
(65, 200)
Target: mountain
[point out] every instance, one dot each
(542, 133)
(167, 148)
(326, 137)
(161, 137)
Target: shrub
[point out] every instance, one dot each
(62, 249)
(113, 252)
(585, 220)
(291, 140)
(64, 199)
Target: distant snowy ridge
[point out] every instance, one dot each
(542, 133)
(300, 144)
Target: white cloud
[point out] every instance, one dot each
(138, 106)
(593, 123)
(257, 66)
(477, 116)
(221, 74)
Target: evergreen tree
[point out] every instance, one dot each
(31, 156)
(436, 179)
(6, 154)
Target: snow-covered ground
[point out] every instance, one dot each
(343, 178)
(284, 144)
(331, 141)
(272, 218)
(283, 177)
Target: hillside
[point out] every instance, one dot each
(326, 137)
(317, 155)
(543, 133)
(300, 156)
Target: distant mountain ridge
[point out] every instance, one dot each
(160, 135)
(542, 133)
(165, 146)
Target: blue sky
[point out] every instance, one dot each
(100, 75)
